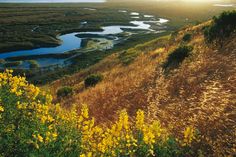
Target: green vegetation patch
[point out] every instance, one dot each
(92, 80)
(64, 91)
(187, 37)
(176, 57)
(222, 27)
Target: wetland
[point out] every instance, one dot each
(55, 39)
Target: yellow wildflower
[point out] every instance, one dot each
(84, 111)
(140, 119)
(1, 109)
(40, 138)
(54, 135)
(189, 136)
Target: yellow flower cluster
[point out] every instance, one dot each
(122, 138)
(1, 109)
(18, 85)
(189, 136)
(27, 108)
(53, 125)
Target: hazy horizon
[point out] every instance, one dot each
(100, 1)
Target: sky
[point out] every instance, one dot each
(82, 1)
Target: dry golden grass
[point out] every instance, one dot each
(201, 92)
(122, 87)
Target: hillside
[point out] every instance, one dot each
(200, 92)
(172, 96)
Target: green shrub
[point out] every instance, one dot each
(221, 27)
(30, 125)
(64, 91)
(168, 148)
(187, 37)
(92, 80)
(177, 57)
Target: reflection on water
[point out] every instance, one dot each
(134, 13)
(122, 11)
(135, 17)
(224, 5)
(71, 42)
(105, 39)
(148, 16)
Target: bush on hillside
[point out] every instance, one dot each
(187, 37)
(29, 125)
(177, 57)
(64, 91)
(222, 27)
(92, 80)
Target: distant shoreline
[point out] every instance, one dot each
(225, 5)
(53, 1)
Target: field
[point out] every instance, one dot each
(198, 92)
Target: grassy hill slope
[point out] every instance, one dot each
(198, 91)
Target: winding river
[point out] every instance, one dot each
(71, 42)
(97, 40)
